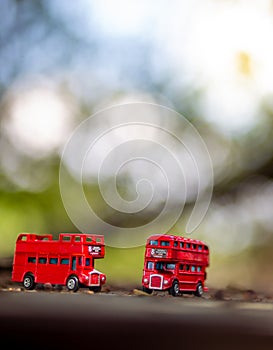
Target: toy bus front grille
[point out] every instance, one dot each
(94, 279)
(156, 281)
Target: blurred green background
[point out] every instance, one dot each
(211, 61)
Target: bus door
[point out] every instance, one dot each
(76, 263)
(42, 269)
(73, 263)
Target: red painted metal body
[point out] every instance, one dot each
(176, 264)
(69, 260)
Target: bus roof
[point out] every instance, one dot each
(170, 237)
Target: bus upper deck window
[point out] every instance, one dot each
(164, 243)
(153, 242)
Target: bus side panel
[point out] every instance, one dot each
(185, 281)
(188, 280)
(50, 273)
(21, 266)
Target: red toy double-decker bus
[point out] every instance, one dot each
(67, 261)
(175, 264)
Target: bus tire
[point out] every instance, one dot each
(174, 290)
(72, 283)
(147, 290)
(28, 282)
(199, 290)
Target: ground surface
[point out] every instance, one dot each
(127, 318)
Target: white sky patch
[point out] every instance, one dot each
(226, 49)
(38, 121)
(223, 47)
(121, 17)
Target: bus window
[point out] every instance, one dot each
(53, 261)
(194, 246)
(80, 261)
(181, 267)
(181, 244)
(164, 243)
(170, 266)
(199, 247)
(198, 268)
(31, 260)
(187, 267)
(153, 242)
(65, 261)
(73, 267)
(175, 244)
(42, 260)
(188, 245)
(193, 268)
(159, 266)
(150, 265)
(87, 262)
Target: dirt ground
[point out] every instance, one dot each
(231, 293)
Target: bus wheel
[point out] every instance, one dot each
(72, 284)
(147, 290)
(199, 290)
(28, 282)
(174, 290)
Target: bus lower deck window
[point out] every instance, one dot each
(42, 260)
(53, 261)
(150, 265)
(64, 261)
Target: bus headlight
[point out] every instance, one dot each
(145, 280)
(166, 281)
(103, 278)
